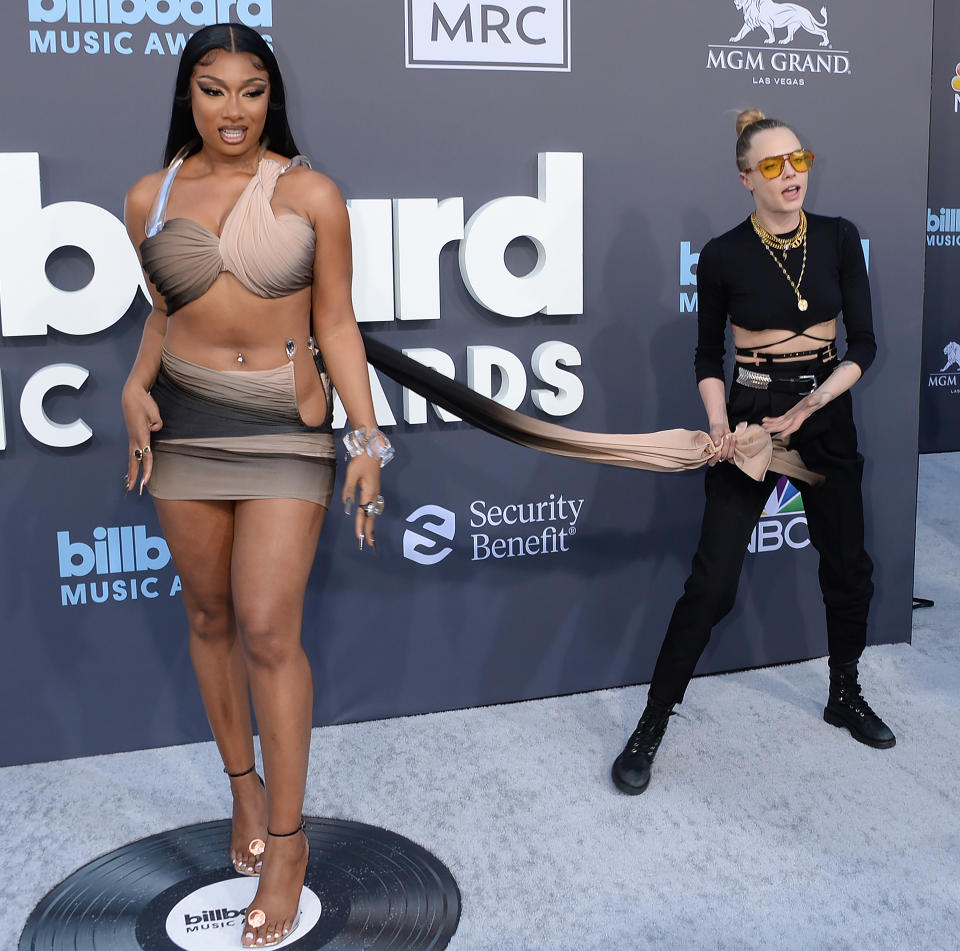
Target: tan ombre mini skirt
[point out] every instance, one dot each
(237, 434)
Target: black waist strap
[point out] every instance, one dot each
(822, 354)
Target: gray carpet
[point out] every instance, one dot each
(763, 827)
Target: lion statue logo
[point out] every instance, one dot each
(768, 16)
(952, 352)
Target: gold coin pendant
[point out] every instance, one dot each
(802, 304)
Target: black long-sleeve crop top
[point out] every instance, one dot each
(737, 278)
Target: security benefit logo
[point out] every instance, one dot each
(428, 541)
(114, 564)
(775, 25)
(782, 523)
(126, 27)
(497, 530)
(511, 34)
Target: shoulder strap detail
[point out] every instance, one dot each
(295, 161)
(158, 213)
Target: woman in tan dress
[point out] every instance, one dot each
(228, 411)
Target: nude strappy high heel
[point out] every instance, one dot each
(256, 846)
(256, 918)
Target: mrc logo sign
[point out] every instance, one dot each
(466, 34)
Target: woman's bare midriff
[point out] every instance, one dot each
(229, 321)
(775, 341)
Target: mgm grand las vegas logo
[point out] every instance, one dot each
(947, 379)
(808, 50)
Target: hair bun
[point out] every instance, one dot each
(747, 118)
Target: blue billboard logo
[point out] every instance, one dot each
(126, 551)
(114, 551)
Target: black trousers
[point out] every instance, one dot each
(827, 442)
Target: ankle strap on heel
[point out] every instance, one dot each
(286, 835)
(246, 772)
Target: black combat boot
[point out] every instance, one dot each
(847, 708)
(631, 769)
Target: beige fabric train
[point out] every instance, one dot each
(672, 450)
(272, 256)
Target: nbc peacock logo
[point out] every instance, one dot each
(955, 82)
(782, 522)
(785, 499)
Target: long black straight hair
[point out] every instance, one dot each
(233, 38)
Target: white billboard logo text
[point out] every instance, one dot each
(30, 233)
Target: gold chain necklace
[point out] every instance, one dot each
(774, 241)
(771, 242)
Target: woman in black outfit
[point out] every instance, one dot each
(783, 277)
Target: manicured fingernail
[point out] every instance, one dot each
(361, 542)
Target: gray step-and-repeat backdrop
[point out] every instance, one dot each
(940, 379)
(531, 185)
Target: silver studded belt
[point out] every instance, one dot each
(757, 380)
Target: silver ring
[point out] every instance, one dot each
(371, 509)
(138, 454)
(146, 449)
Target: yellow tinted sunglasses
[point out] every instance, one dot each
(772, 165)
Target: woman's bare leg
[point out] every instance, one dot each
(200, 536)
(274, 544)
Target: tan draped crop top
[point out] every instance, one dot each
(270, 255)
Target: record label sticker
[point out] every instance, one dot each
(211, 918)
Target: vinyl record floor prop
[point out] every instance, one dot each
(365, 888)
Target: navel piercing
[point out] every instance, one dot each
(240, 358)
